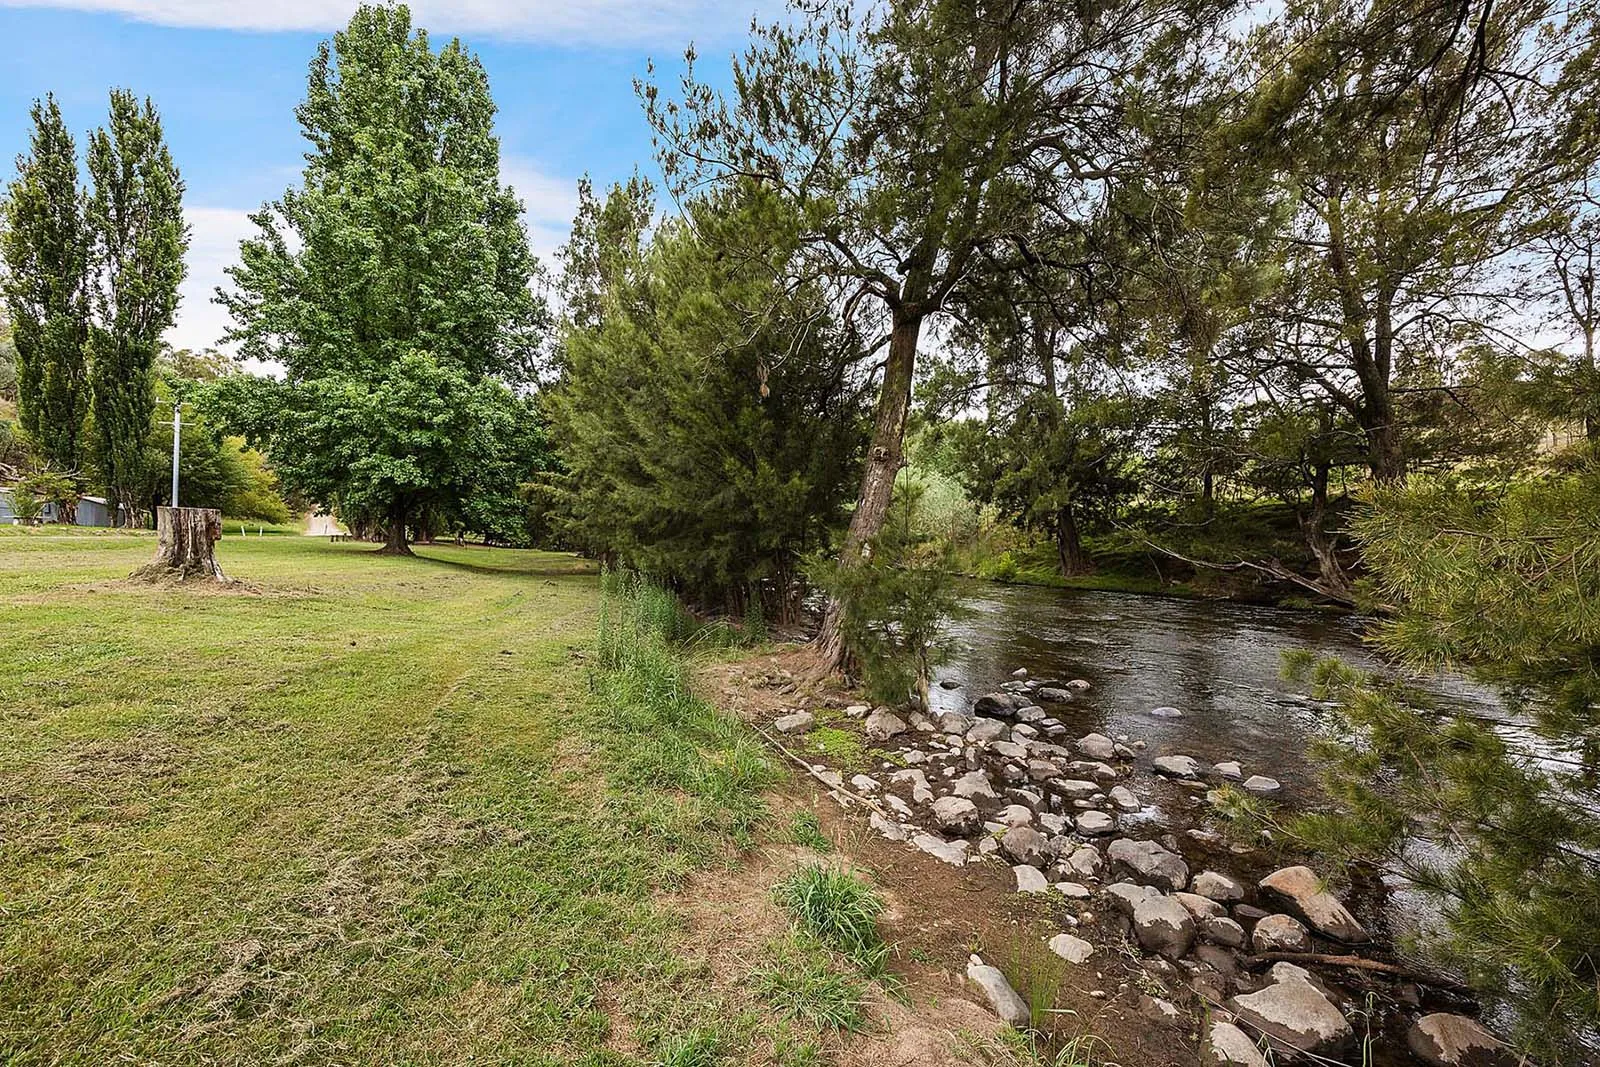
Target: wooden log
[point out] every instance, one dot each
(185, 546)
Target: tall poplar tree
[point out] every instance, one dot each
(393, 285)
(44, 245)
(135, 216)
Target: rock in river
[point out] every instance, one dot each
(1095, 823)
(1125, 798)
(1178, 766)
(1011, 1008)
(1051, 695)
(1150, 864)
(1294, 1012)
(1097, 746)
(1301, 887)
(1445, 1040)
(951, 852)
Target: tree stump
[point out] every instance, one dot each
(185, 545)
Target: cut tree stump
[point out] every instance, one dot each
(186, 540)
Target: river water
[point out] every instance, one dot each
(1217, 662)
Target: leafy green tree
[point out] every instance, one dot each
(8, 359)
(138, 241)
(708, 426)
(393, 285)
(910, 145)
(44, 246)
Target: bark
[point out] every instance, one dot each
(1069, 544)
(395, 543)
(185, 546)
(884, 458)
(1323, 544)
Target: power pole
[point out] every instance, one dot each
(177, 426)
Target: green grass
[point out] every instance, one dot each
(805, 830)
(801, 980)
(364, 810)
(839, 909)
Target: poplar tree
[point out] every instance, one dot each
(393, 284)
(135, 215)
(44, 245)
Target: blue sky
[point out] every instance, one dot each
(227, 75)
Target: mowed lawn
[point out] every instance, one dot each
(356, 814)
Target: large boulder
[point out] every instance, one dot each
(1304, 892)
(883, 724)
(956, 815)
(1280, 933)
(1126, 896)
(1149, 863)
(1163, 925)
(1005, 1001)
(1446, 1040)
(1229, 1046)
(1294, 1012)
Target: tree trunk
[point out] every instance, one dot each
(1323, 544)
(877, 481)
(185, 546)
(1069, 544)
(395, 538)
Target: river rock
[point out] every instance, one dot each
(1052, 823)
(1294, 1012)
(1070, 948)
(997, 704)
(1178, 766)
(952, 722)
(921, 792)
(956, 815)
(1097, 769)
(1163, 926)
(1218, 887)
(1260, 783)
(975, 784)
(1024, 844)
(983, 730)
(1086, 862)
(1049, 694)
(1095, 823)
(1011, 1008)
(1097, 746)
(1149, 863)
(1200, 907)
(1015, 815)
(1446, 1040)
(1074, 890)
(794, 723)
(1029, 879)
(1042, 770)
(1301, 887)
(1008, 750)
(1230, 770)
(1166, 713)
(1072, 788)
(1020, 674)
(1125, 896)
(883, 724)
(1221, 930)
(1280, 933)
(1229, 1046)
(1125, 798)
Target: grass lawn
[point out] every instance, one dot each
(366, 811)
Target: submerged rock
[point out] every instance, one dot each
(1294, 1012)
(1005, 1001)
(1301, 887)
(1052, 695)
(1165, 712)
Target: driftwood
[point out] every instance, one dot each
(1357, 963)
(1272, 568)
(185, 549)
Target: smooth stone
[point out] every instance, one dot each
(795, 723)
(1079, 684)
(1165, 712)
(1125, 798)
(1294, 1012)
(1229, 1046)
(1150, 863)
(1097, 746)
(1020, 674)
(1301, 887)
(1005, 1001)
(883, 724)
(1217, 887)
(1095, 823)
(1009, 750)
(1260, 783)
(1221, 930)
(956, 815)
(1177, 766)
(1029, 879)
(1071, 948)
(1446, 1040)
(1002, 704)
(1163, 926)
(1280, 933)
(951, 852)
(1231, 770)
(1052, 695)
(1072, 788)
(1074, 890)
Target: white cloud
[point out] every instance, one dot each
(215, 232)
(592, 22)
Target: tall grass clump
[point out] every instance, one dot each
(840, 909)
(661, 734)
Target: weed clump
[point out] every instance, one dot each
(839, 909)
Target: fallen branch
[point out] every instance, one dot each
(803, 765)
(1357, 963)
(1272, 568)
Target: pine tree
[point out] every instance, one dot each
(393, 284)
(135, 215)
(44, 245)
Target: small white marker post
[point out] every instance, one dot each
(177, 426)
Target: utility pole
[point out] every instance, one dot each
(177, 426)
